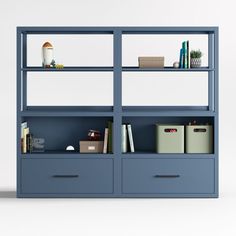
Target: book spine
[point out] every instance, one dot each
(124, 139)
(110, 133)
(105, 141)
(131, 141)
(188, 54)
(183, 48)
(23, 126)
(25, 132)
(180, 58)
(185, 55)
(29, 143)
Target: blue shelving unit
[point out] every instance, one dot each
(145, 173)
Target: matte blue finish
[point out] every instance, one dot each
(168, 176)
(116, 174)
(67, 175)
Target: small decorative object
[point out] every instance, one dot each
(47, 55)
(38, 145)
(176, 64)
(94, 135)
(195, 58)
(59, 66)
(70, 148)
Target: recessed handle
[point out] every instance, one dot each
(166, 176)
(198, 130)
(65, 176)
(170, 130)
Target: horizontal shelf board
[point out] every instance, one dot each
(166, 155)
(107, 68)
(169, 69)
(110, 30)
(68, 68)
(68, 111)
(66, 154)
(166, 111)
(65, 113)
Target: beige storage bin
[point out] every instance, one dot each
(91, 146)
(169, 138)
(199, 139)
(151, 62)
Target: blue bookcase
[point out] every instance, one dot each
(145, 173)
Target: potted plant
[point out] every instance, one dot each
(195, 58)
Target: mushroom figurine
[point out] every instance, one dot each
(47, 54)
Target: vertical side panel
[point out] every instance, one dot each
(211, 73)
(117, 47)
(216, 98)
(24, 64)
(18, 108)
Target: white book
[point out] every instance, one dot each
(23, 126)
(105, 141)
(124, 141)
(25, 132)
(131, 141)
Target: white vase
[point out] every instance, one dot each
(47, 54)
(195, 62)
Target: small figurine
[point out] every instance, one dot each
(47, 55)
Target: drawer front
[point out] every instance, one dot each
(168, 176)
(66, 176)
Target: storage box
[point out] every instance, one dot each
(151, 62)
(169, 138)
(199, 139)
(91, 146)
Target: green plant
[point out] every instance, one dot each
(196, 54)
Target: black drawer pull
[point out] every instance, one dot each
(166, 176)
(65, 176)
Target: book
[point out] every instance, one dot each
(105, 140)
(124, 141)
(131, 141)
(185, 55)
(110, 138)
(188, 54)
(183, 48)
(29, 143)
(23, 125)
(181, 58)
(25, 132)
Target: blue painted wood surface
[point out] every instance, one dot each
(117, 174)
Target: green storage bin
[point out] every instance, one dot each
(199, 139)
(169, 138)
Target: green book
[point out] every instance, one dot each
(110, 139)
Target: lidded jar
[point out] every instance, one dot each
(47, 54)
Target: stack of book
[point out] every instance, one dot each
(127, 142)
(108, 139)
(184, 58)
(26, 138)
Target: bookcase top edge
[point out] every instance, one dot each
(110, 30)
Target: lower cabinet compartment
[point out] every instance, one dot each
(66, 176)
(168, 176)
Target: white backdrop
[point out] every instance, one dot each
(118, 217)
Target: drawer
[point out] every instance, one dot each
(166, 176)
(66, 176)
